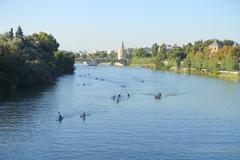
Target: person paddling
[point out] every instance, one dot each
(113, 97)
(60, 117)
(158, 96)
(117, 100)
(83, 116)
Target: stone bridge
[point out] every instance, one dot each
(104, 60)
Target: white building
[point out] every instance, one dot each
(122, 53)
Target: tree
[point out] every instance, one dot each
(101, 54)
(84, 56)
(178, 62)
(155, 49)
(10, 34)
(162, 52)
(140, 52)
(197, 55)
(28, 60)
(45, 41)
(197, 60)
(212, 64)
(19, 33)
(113, 55)
(46, 44)
(176, 53)
(187, 63)
(227, 42)
(187, 48)
(159, 64)
(65, 61)
(229, 63)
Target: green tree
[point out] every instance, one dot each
(198, 60)
(28, 60)
(155, 49)
(113, 55)
(227, 42)
(176, 53)
(140, 52)
(212, 64)
(159, 63)
(45, 42)
(163, 51)
(187, 63)
(178, 62)
(229, 63)
(10, 34)
(101, 54)
(19, 33)
(64, 61)
(46, 45)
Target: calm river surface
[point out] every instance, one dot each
(196, 118)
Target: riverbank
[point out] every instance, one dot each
(150, 63)
(33, 60)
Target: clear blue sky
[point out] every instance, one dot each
(103, 24)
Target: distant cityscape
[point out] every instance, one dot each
(126, 52)
(122, 53)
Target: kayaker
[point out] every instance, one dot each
(158, 96)
(60, 117)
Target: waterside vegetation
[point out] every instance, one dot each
(31, 60)
(209, 58)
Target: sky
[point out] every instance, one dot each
(103, 24)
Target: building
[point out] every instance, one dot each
(122, 53)
(215, 46)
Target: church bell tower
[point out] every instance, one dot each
(122, 53)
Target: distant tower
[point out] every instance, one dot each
(122, 45)
(122, 53)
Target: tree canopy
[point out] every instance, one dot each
(33, 59)
(195, 55)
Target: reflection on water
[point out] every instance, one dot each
(196, 118)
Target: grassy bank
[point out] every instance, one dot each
(150, 62)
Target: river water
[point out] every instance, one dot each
(196, 118)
